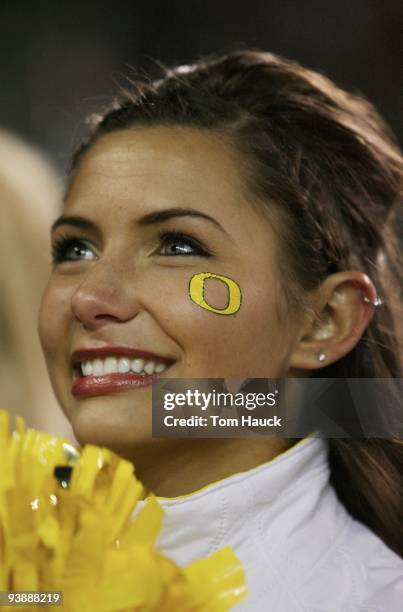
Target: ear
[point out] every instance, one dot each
(343, 306)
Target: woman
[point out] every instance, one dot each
(253, 168)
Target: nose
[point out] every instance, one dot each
(106, 294)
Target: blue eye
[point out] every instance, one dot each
(176, 243)
(71, 249)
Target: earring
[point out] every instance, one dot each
(377, 301)
(322, 357)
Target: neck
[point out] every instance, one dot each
(170, 468)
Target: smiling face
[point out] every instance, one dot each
(149, 208)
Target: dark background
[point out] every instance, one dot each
(60, 60)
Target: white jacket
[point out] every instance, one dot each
(301, 550)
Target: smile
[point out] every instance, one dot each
(112, 369)
(123, 365)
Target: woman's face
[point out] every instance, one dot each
(149, 208)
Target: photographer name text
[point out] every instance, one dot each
(214, 420)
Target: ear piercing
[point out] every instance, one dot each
(377, 301)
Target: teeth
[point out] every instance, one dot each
(121, 365)
(137, 365)
(110, 365)
(97, 367)
(149, 367)
(86, 368)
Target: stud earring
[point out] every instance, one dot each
(322, 357)
(377, 301)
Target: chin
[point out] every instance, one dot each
(103, 423)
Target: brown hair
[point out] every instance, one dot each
(330, 166)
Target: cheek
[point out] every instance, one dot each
(215, 293)
(218, 344)
(180, 315)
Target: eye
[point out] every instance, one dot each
(71, 249)
(176, 243)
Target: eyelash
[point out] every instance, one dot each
(199, 249)
(61, 244)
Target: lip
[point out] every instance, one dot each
(88, 353)
(91, 386)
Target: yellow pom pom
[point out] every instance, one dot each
(68, 523)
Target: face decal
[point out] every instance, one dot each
(196, 293)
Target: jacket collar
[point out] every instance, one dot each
(281, 498)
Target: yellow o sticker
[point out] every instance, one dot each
(196, 293)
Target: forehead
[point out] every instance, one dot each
(163, 161)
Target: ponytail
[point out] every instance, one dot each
(368, 478)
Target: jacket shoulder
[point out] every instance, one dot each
(377, 570)
(358, 574)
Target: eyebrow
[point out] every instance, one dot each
(75, 221)
(150, 219)
(170, 213)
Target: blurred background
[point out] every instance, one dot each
(61, 61)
